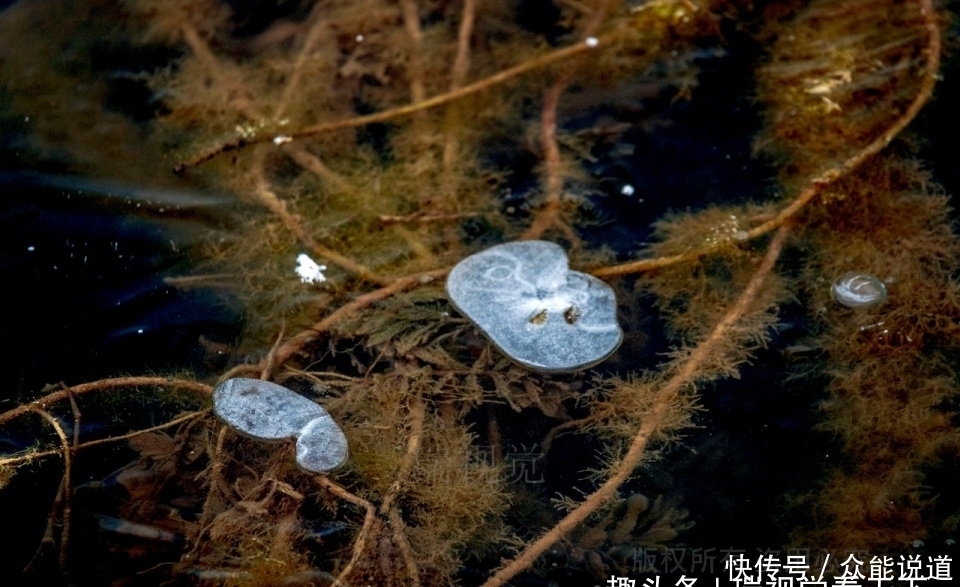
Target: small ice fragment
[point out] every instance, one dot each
(858, 290)
(267, 411)
(627, 190)
(309, 271)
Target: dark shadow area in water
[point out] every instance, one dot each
(655, 147)
(85, 264)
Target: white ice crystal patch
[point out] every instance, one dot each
(309, 270)
(267, 411)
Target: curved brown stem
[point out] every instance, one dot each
(549, 215)
(294, 223)
(106, 385)
(417, 415)
(67, 452)
(552, 166)
(458, 73)
(32, 456)
(409, 109)
(403, 545)
(831, 176)
(369, 521)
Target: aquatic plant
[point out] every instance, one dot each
(609, 545)
(356, 133)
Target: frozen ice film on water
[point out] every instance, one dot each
(267, 411)
(526, 299)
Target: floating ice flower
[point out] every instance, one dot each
(525, 298)
(267, 411)
(309, 270)
(858, 290)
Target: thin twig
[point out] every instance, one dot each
(458, 74)
(210, 280)
(368, 522)
(207, 516)
(552, 166)
(32, 456)
(104, 385)
(563, 427)
(424, 218)
(271, 360)
(417, 415)
(176, 421)
(67, 483)
(643, 265)
(407, 110)
(403, 545)
(309, 45)
(76, 417)
(415, 241)
(411, 22)
(549, 215)
(421, 144)
(201, 50)
(47, 539)
(307, 160)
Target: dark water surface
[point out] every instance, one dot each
(90, 261)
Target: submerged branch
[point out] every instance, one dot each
(107, 385)
(369, 519)
(407, 110)
(294, 223)
(67, 483)
(549, 216)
